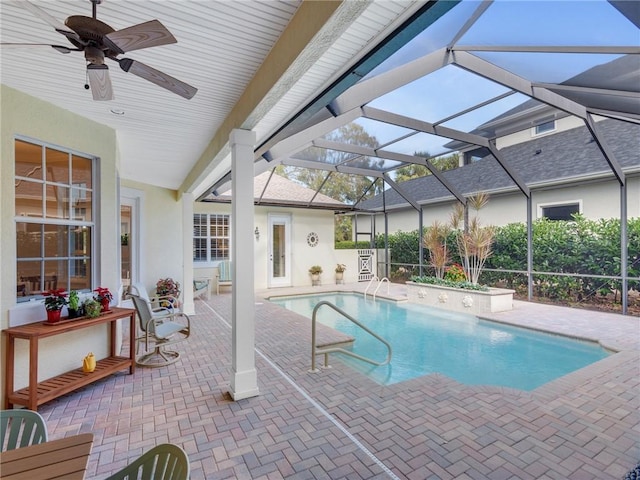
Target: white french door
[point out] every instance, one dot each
(279, 250)
(130, 235)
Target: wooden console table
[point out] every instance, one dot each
(38, 393)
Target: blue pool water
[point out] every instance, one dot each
(463, 347)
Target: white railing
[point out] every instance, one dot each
(380, 282)
(326, 351)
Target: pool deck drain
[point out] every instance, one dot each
(582, 426)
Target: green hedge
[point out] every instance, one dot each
(589, 247)
(350, 245)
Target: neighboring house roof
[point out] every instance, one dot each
(613, 75)
(281, 190)
(571, 155)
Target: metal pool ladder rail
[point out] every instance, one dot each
(380, 282)
(326, 351)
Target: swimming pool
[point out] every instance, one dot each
(460, 346)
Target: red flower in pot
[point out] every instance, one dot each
(53, 303)
(104, 297)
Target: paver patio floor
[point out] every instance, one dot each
(339, 424)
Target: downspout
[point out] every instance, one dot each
(420, 243)
(624, 249)
(386, 233)
(529, 248)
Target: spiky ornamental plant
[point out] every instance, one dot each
(435, 240)
(474, 243)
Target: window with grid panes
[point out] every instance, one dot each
(54, 219)
(211, 240)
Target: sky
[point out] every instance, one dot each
(505, 22)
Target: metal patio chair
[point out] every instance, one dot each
(160, 305)
(163, 462)
(159, 331)
(21, 428)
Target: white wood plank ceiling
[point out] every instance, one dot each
(221, 45)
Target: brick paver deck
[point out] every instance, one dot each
(339, 424)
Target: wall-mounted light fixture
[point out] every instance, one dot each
(257, 234)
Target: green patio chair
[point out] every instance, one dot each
(21, 428)
(223, 277)
(163, 462)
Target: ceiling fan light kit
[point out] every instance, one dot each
(99, 41)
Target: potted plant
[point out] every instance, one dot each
(167, 291)
(315, 272)
(73, 305)
(53, 303)
(340, 268)
(91, 308)
(103, 296)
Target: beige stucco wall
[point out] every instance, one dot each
(27, 116)
(303, 256)
(161, 238)
(633, 194)
(562, 124)
(598, 200)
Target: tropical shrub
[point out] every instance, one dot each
(350, 244)
(583, 247)
(455, 273)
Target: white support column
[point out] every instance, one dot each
(244, 378)
(188, 306)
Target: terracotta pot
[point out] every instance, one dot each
(53, 316)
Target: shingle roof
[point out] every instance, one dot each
(281, 190)
(571, 155)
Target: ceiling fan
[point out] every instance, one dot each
(99, 41)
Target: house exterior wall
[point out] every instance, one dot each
(26, 116)
(303, 256)
(562, 124)
(161, 234)
(597, 200)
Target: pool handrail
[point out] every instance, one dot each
(380, 282)
(385, 279)
(373, 279)
(326, 351)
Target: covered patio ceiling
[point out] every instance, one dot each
(448, 71)
(412, 75)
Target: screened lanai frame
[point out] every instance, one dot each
(599, 76)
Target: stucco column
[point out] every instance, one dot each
(187, 254)
(244, 378)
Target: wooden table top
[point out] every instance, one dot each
(42, 329)
(64, 458)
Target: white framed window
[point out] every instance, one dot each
(544, 127)
(560, 210)
(211, 237)
(54, 217)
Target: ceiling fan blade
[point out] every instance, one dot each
(100, 82)
(143, 35)
(156, 76)
(59, 48)
(55, 23)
